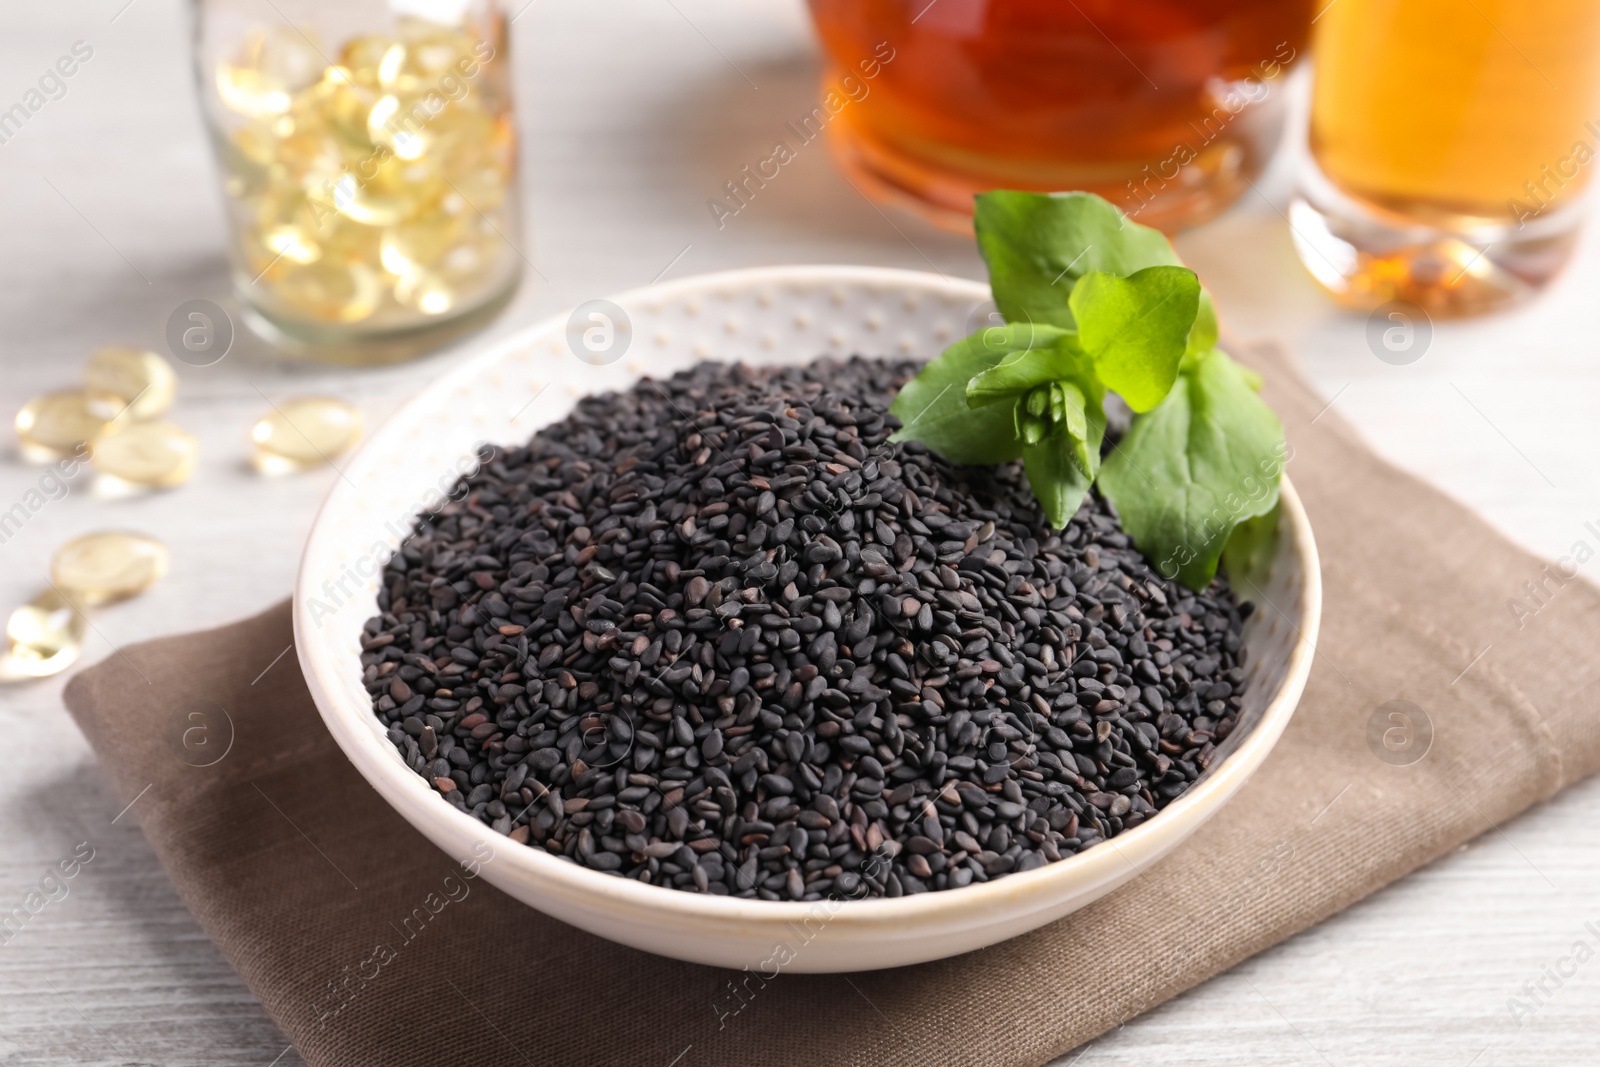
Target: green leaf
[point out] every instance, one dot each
(1248, 555)
(1069, 407)
(1055, 355)
(1037, 246)
(932, 407)
(1058, 482)
(1208, 457)
(1042, 382)
(1050, 356)
(1203, 336)
(1087, 440)
(1136, 328)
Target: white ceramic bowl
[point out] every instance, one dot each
(761, 316)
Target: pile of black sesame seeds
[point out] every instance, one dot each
(716, 633)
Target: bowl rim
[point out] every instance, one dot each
(405, 791)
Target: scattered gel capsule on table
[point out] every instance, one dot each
(305, 432)
(156, 454)
(43, 637)
(111, 565)
(56, 424)
(129, 378)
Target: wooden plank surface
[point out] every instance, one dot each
(634, 113)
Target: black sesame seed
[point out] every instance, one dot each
(718, 633)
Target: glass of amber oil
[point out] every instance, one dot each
(1167, 108)
(369, 161)
(1451, 143)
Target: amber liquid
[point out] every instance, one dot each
(1152, 103)
(1484, 109)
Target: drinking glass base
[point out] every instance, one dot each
(1366, 256)
(349, 346)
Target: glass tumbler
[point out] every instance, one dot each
(369, 164)
(1167, 108)
(1451, 143)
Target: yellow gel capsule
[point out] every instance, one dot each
(412, 182)
(258, 143)
(360, 201)
(57, 424)
(270, 67)
(285, 224)
(292, 243)
(361, 57)
(350, 242)
(156, 454)
(419, 243)
(425, 59)
(98, 568)
(135, 379)
(337, 108)
(426, 292)
(388, 123)
(43, 636)
(327, 291)
(305, 432)
(295, 147)
(482, 190)
(465, 136)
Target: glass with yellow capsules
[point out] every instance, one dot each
(369, 161)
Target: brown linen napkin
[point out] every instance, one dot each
(368, 945)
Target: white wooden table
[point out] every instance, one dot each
(634, 113)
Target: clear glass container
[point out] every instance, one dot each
(1451, 148)
(368, 158)
(1167, 108)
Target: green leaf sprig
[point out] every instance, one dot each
(1096, 304)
